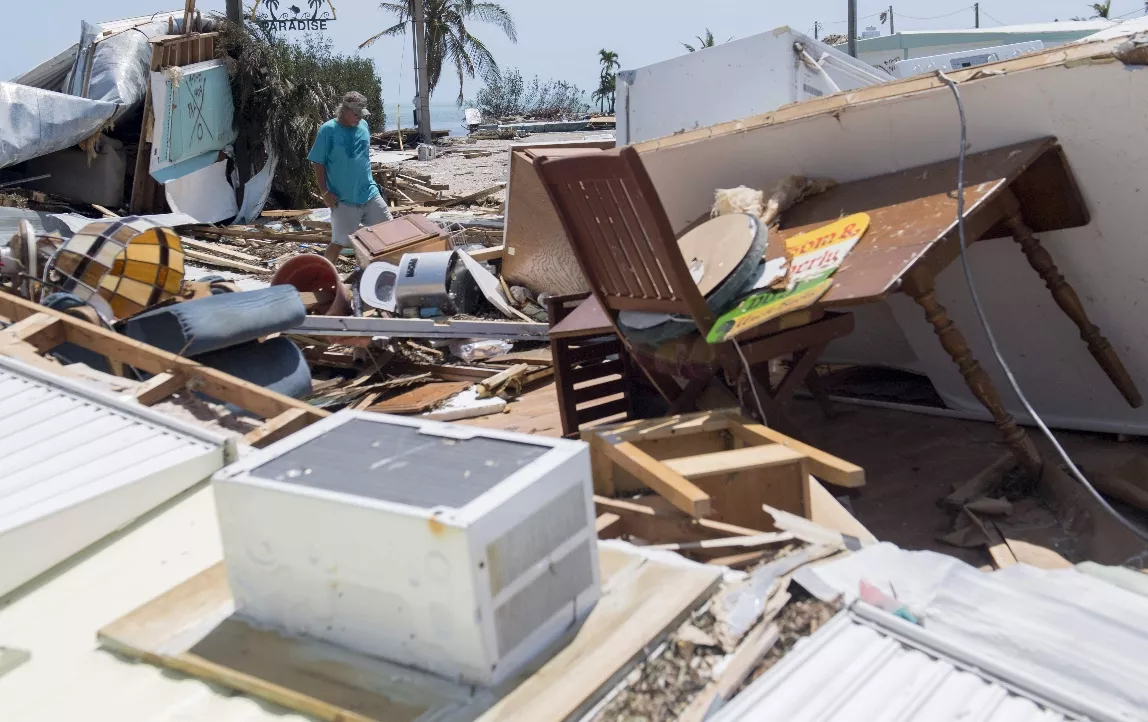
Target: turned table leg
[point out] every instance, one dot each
(919, 287)
(1065, 297)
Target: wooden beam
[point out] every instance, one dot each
(224, 262)
(40, 330)
(282, 425)
(159, 387)
(734, 460)
(122, 349)
(645, 520)
(822, 465)
(654, 429)
(220, 248)
(493, 253)
(673, 486)
(609, 526)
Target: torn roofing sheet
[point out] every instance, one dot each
(853, 671)
(36, 122)
(1077, 633)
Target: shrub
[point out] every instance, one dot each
(283, 92)
(507, 96)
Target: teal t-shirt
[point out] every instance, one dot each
(346, 154)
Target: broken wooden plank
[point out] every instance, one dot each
(421, 399)
(284, 424)
(121, 349)
(821, 464)
(447, 203)
(649, 520)
(981, 482)
(241, 232)
(510, 378)
(608, 526)
(734, 460)
(159, 387)
(678, 490)
(219, 248)
(225, 262)
(40, 330)
(752, 540)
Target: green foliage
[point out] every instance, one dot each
(507, 96)
(448, 40)
(283, 92)
(607, 80)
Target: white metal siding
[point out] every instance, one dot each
(77, 464)
(849, 671)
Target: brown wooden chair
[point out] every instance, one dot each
(626, 247)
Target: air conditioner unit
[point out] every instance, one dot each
(458, 550)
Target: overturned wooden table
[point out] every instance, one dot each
(1017, 190)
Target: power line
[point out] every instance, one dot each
(990, 17)
(937, 17)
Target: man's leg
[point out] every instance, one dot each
(376, 211)
(345, 220)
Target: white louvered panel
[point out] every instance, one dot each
(92, 459)
(76, 464)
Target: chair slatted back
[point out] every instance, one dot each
(620, 234)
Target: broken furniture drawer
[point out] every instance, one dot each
(457, 550)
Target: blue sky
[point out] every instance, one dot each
(555, 39)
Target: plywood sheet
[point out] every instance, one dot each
(538, 254)
(193, 628)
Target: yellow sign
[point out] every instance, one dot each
(849, 228)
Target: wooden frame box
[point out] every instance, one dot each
(717, 465)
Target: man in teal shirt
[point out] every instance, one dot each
(342, 159)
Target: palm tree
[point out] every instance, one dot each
(1101, 10)
(703, 42)
(607, 80)
(448, 40)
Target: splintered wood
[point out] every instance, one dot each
(716, 465)
(722, 486)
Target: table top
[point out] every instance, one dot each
(913, 213)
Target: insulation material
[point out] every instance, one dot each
(738, 200)
(205, 194)
(194, 119)
(129, 262)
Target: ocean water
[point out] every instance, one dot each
(444, 116)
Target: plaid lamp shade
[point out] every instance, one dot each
(130, 262)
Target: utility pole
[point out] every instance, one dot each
(853, 28)
(422, 93)
(892, 29)
(817, 27)
(976, 15)
(234, 12)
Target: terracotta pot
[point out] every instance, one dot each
(309, 273)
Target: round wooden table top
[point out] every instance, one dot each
(714, 249)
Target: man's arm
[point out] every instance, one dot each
(328, 197)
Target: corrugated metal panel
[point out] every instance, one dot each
(851, 671)
(77, 464)
(68, 677)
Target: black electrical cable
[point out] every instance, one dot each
(989, 333)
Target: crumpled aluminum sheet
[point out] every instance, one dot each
(121, 66)
(35, 122)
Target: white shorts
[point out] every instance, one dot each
(346, 218)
